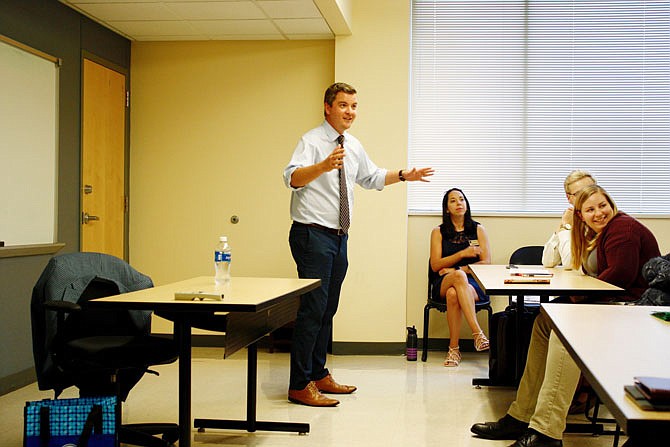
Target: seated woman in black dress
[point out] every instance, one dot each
(456, 243)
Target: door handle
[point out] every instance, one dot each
(85, 217)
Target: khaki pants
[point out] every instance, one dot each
(548, 383)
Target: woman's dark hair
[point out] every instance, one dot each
(447, 227)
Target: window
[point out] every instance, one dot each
(507, 97)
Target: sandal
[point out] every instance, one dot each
(453, 357)
(481, 342)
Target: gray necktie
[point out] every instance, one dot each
(344, 199)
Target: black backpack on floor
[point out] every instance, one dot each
(503, 339)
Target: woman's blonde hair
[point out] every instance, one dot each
(584, 239)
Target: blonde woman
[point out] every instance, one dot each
(610, 244)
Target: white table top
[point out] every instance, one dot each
(612, 344)
(246, 294)
(564, 282)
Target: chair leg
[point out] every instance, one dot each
(595, 421)
(617, 432)
(424, 348)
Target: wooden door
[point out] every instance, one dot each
(103, 197)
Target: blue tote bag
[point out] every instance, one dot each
(81, 422)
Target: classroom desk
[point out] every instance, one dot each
(490, 278)
(611, 345)
(253, 308)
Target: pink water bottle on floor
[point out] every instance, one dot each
(412, 343)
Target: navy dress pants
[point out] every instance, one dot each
(318, 254)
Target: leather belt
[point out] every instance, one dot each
(338, 232)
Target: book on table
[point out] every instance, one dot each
(654, 389)
(215, 293)
(528, 275)
(528, 280)
(634, 393)
(530, 272)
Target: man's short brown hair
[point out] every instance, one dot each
(333, 90)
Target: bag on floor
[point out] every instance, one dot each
(503, 344)
(81, 422)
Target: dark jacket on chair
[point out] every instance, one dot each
(65, 278)
(657, 274)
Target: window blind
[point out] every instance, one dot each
(507, 97)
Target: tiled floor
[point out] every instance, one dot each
(398, 403)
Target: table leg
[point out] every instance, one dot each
(251, 424)
(182, 331)
(520, 338)
(252, 378)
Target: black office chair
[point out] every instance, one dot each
(101, 352)
(441, 306)
(528, 255)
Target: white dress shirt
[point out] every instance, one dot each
(319, 201)
(557, 250)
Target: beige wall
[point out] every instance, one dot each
(212, 127)
(375, 59)
(214, 123)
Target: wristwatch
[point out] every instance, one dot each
(566, 227)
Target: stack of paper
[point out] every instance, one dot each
(531, 272)
(192, 295)
(528, 275)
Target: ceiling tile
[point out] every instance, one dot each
(128, 11)
(241, 27)
(216, 10)
(303, 26)
(289, 9)
(277, 36)
(208, 19)
(155, 28)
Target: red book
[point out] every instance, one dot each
(655, 389)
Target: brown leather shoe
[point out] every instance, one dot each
(328, 385)
(311, 397)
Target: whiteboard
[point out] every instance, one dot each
(28, 145)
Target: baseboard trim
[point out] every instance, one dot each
(17, 380)
(395, 348)
(345, 348)
(358, 348)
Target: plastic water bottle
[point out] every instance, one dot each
(412, 343)
(222, 260)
